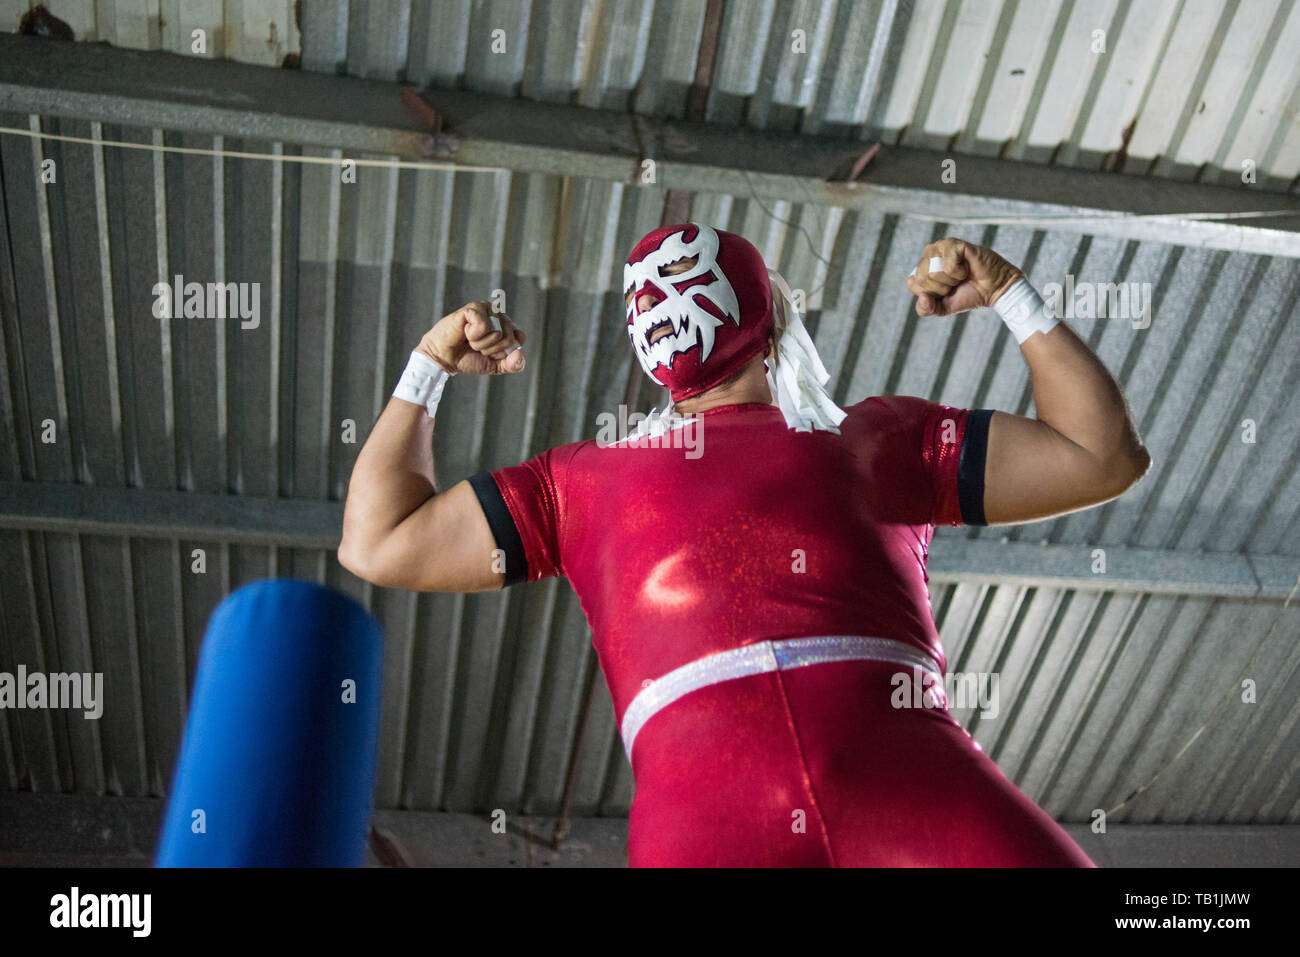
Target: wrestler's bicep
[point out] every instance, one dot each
(446, 545)
(1034, 472)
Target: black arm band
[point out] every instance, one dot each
(502, 525)
(970, 466)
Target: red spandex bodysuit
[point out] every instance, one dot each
(773, 533)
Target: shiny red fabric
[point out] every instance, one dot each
(771, 533)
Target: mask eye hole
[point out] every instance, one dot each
(685, 264)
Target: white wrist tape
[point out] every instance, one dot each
(422, 382)
(1024, 312)
(936, 265)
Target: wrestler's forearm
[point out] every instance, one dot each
(393, 476)
(1080, 400)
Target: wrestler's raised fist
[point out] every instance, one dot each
(954, 276)
(475, 340)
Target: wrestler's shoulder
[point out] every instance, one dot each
(570, 450)
(573, 455)
(889, 406)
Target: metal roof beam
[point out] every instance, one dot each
(161, 513)
(298, 523)
(1161, 571)
(150, 89)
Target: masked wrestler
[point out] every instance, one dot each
(759, 605)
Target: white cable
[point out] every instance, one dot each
(240, 154)
(1045, 220)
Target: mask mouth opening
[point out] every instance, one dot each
(658, 331)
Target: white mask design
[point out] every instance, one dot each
(691, 323)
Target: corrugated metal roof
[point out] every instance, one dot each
(1101, 689)
(263, 32)
(1184, 90)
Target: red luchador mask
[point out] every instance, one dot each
(718, 312)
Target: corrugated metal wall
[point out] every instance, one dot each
(483, 692)
(1187, 89)
(1172, 87)
(263, 32)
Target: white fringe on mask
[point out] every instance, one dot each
(798, 385)
(799, 382)
(659, 423)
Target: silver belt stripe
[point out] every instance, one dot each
(761, 657)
